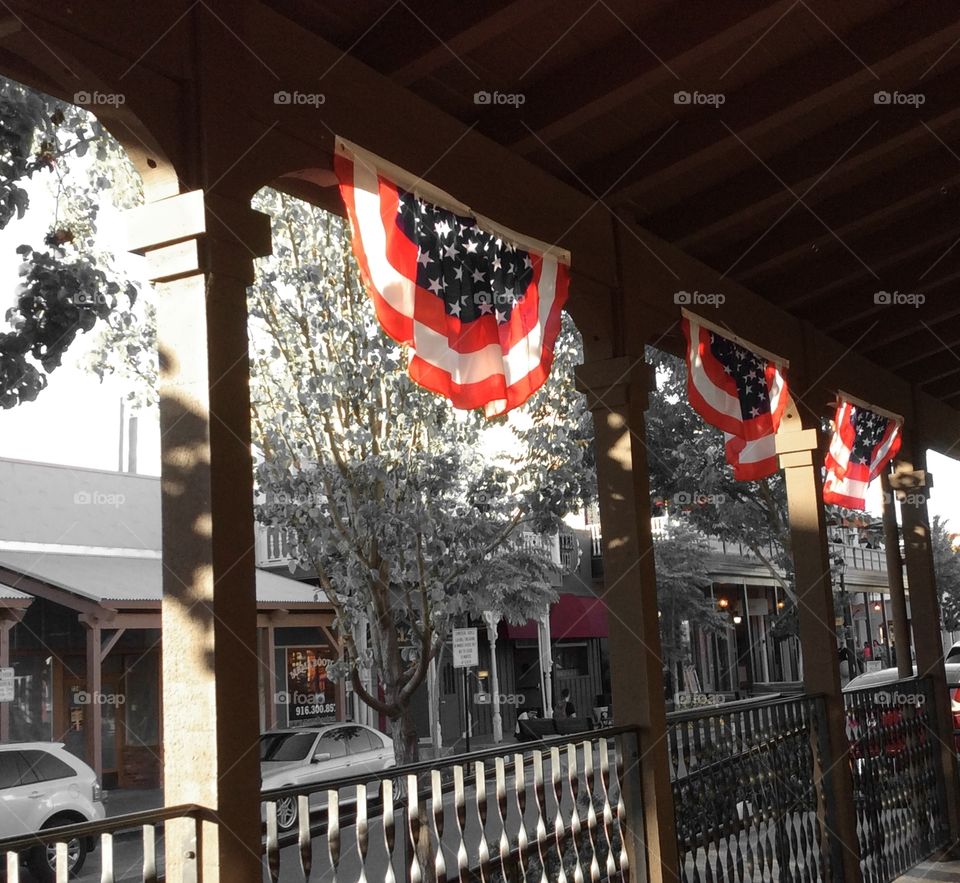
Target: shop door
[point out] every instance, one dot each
(451, 711)
(76, 716)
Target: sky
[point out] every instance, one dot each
(76, 421)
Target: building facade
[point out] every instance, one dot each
(80, 595)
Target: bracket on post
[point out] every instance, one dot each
(906, 480)
(796, 448)
(612, 382)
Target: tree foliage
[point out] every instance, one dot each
(413, 515)
(67, 283)
(946, 569)
(682, 599)
(689, 476)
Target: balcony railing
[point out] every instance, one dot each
(750, 800)
(898, 789)
(272, 545)
(748, 795)
(145, 856)
(553, 812)
(856, 557)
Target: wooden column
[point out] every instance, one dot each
(9, 617)
(199, 248)
(898, 597)
(798, 450)
(912, 484)
(617, 395)
(93, 711)
(270, 668)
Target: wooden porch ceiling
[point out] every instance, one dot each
(800, 185)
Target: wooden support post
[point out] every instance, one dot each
(93, 710)
(617, 395)
(818, 638)
(898, 597)
(199, 248)
(912, 485)
(270, 668)
(6, 624)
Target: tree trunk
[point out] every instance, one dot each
(406, 748)
(406, 741)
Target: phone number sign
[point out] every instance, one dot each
(310, 692)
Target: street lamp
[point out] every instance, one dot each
(840, 568)
(490, 619)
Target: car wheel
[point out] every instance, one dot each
(286, 813)
(42, 860)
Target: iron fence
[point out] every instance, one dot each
(898, 785)
(551, 812)
(748, 788)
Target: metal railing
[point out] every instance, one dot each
(856, 557)
(61, 845)
(272, 545)
(550, 811)
(898, 786)
(748, 791)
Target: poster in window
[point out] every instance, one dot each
(311, 694)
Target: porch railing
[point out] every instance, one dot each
(748, 791)
(145, 829)
(898, 786)
(552, 811)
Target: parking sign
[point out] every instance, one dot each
(465, 651)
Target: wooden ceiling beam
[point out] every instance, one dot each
(634, 69)
(748, 136)
(454, 46)
(872, 263)
(899, 345)
(861, 168)
(919, 255)
(842, 237)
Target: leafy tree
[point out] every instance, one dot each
(689, 474)
(67, 283)
(682, 602)
(946, 569)
(414, 516)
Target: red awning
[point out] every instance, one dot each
(573, 616)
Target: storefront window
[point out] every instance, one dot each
(142, 702)
(31, 712)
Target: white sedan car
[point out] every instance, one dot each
(308, 755)
(42, 785)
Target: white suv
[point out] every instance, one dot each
(42, 785)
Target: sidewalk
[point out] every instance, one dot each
(121, 801)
